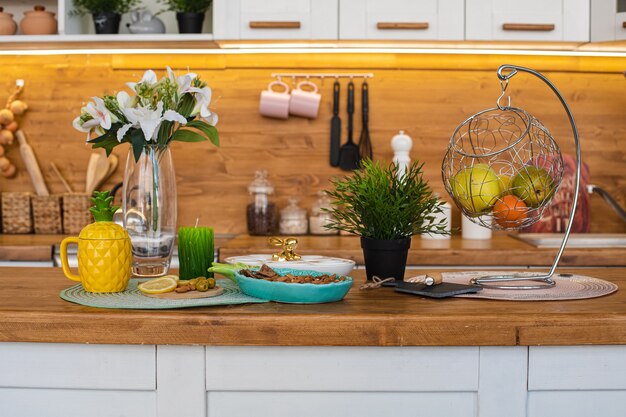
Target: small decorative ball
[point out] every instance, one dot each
(12, 127)
(6, 116)
(9, 171)
(4, 163)
(6, 137)
(18, 107)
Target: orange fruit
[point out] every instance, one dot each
(509, 211)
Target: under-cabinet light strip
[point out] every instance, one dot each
(215, 51)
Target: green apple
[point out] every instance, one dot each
(533, 185)
(476, 188)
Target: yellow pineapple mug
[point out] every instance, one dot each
(104, 257)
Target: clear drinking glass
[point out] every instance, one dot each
(149, 206)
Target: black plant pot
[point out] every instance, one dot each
(189, 22)
(107, 23)
(385, 258)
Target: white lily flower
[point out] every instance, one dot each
(173, 116)
(124, 100)
(149, 77)
(203, 100)
(101, 117)
(212, 119)
(183, 82)
(78, 125)
(99, 112)
(148, 120)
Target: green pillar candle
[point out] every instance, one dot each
(195, 251)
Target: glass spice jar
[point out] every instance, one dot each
(261, 213)
(293, 219)
(320, 218)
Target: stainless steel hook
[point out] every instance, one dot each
(504, 83)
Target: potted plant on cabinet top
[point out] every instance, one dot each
(385, 209)
(106, 13)
(189, 13)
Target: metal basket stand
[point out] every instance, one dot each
(505, 73)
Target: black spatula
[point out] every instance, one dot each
(335, 127)
(365, 144)
(349, 155)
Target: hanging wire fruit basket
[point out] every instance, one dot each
(503, 167)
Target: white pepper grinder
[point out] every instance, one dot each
(401, 145)
(444, 214)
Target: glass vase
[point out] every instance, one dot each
(149, 207)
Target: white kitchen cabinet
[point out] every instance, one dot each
(529, 20)
(577, 381)
(275, 19)
(342, 381)
(608, 20)
(402, 19)
(74, 380)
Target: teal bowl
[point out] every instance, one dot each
(293, 293)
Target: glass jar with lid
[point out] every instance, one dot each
(320, 218)
(262, 213)
(293, 219)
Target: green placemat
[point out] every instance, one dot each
(132, 298)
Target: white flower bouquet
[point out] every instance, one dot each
(156, 113)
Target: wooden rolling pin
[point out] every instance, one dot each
(431, 278)
(28, 156)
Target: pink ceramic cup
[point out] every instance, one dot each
(274, 103)
(305, 103)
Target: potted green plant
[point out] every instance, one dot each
(106, 13)
(386, 209)
(189, 13)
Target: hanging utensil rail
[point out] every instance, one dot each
(321, 75)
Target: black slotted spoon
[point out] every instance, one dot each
(349, 158)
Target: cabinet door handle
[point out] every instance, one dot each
(274, 25)
(540, 27)
(402, 25)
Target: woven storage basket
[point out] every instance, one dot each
(16, 213)
(47, 214)
(76, 213)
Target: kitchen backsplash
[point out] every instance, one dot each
(212, 183)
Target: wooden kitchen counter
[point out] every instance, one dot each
(31, 311)
(35, 248)
(502, 250)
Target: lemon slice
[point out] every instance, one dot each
(158, 285)
(174, 277)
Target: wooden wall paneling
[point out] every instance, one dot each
(427, 103)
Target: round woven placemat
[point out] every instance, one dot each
(132, 298)
(567, 287)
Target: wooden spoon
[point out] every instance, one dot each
(66, 184)
(112, 161)
(97, 169)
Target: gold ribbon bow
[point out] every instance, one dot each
(288, 245)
